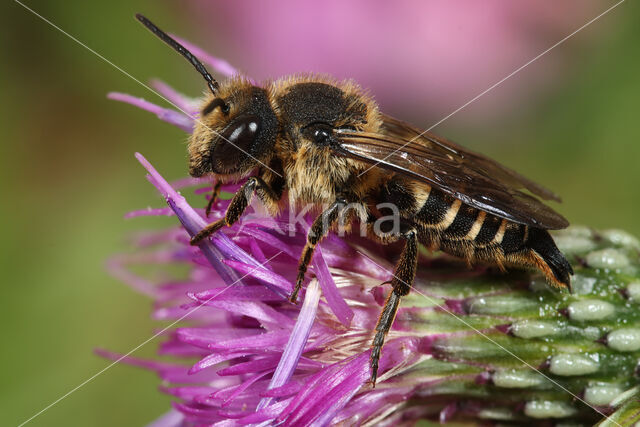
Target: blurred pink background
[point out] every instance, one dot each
(433, 56)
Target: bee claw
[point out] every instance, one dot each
(293, 298)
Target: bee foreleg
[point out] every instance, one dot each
(215, 192)
(239, 203)
(403, 276)
(319, 229)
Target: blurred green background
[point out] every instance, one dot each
(69, 176)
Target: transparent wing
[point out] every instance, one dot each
(473, 178)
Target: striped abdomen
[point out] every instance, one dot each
(445, 223)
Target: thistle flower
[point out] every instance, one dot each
(467, 345)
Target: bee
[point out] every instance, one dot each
(326, 143)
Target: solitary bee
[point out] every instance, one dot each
(326, 143)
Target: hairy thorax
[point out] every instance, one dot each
(305, 106)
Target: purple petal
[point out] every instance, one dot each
(267, 341)
(172, 418)
(238, 292)
(167, 371)
(149, 212)
(204, 337)
(286, 390)
(271, 240)
(190, 392)
(219, 65)
(367, 404)
(256, 365)
(181, 101)
(328, 392)
(265, 414)
(214, 359)
(191, 221)
(115, 267)
(173, 117)
(262, 274)
(237, 390)
(266, 315)
(180, 349)
(337, 304)
(258, 254)
(297, 340)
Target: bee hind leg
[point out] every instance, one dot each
(319, 229)
(239, 203)
(402, 280)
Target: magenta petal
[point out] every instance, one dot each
(190, 220)
(214, 359)
(184, 103)
(286, 390)
(176, 118)
(256, 365)
(271, 240)
(367, 404)
(186, 392)
(204, 337)
(237, 390)
(268, 341)
(149, 212)
(266, 315)
(258, 254)
(337, 304)
(261, 273)
(326, 392)
(297, 340)
(238, 293)
(265, 414)
(117, 269)
(172, 418)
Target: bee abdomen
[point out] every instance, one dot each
(447, 224)
(555, 265)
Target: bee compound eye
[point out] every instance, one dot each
(236, 144)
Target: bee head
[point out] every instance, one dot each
(237, 128)
(236, 132)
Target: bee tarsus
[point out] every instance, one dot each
(215, 193)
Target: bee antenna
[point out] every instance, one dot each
(211, 82)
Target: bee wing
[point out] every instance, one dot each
(473, 178)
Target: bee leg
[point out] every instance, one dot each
(239, 203)
(320, 227)
(215, 192)
(403, 276)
